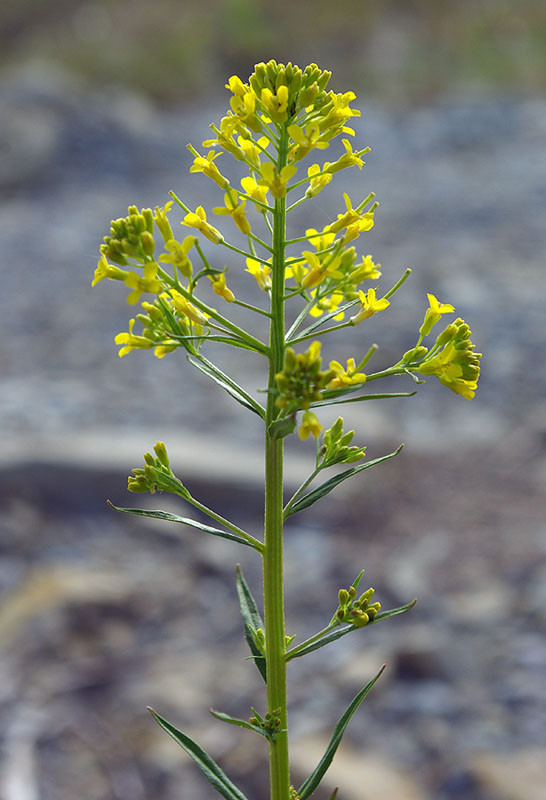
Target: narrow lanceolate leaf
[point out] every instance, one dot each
(326, 487)
(308, 787)
(192, 523)
(241, 723)
(336, 401)
(252, 621)
(229, 385)
(337, 633)
(206, 764)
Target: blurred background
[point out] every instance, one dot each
(103, 615)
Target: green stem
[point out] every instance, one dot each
(279, 769)
(295, 650)
(226, 523)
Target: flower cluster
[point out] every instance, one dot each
(453, 360)
(156, 474)
(358, 612)
(335, 447)
(301, 381)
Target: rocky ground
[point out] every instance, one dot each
(102, 615)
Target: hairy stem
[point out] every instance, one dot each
(273, 538)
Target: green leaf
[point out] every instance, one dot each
(335, 401)
(326, 487)
(337, 633)
(206, 764)
(192, 523)
(334, 794)
(392, 612)
(241, 723)
(309, 786)
(226, 383)
(252, 621)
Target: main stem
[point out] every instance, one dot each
(279, 769)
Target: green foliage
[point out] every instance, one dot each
(206, 764)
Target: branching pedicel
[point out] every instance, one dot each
(277, 119)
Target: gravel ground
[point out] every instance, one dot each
(102, 616)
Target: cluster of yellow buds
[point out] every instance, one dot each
(130, 237)
(453, 360)
(301, 381)
(358, 612)
(156, 474)
(335, 447)
(270, 723)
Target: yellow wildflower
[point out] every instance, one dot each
(296, 270)
(309, 425)
(106, 270)
(254, 190)
(366, 270)
(328, 303)
(208, 168)
(317, 181)
(305, 140)
(131, 341)
(219, 286)
(322, 240)
(147, 282)
(160, 219)
(235, 210)
(348, 159)
(450, 373)
(252, 150)
(178, 255)
(369, 306)
(276, 104)
(165, 347)
(433, 314)
(198, 219)
(277, 181)
(261, 272)
(186, 308)
(345, 377)
(364, 223)
(348, 218)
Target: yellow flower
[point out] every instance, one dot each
(348, 218)
(276, 104)
(364, 223)
(165, 347)
(345, 377)
(160, 219)
(433, 314)
(219, 286)
(320, 241)
(235, 210)
(261, 272)
(296, 270)
(309, 425)
(275, 181)
(366, 270)
(320, 269)
(106, 270)
(257, 192)
(178, 255)
(206, 166)
(305, 141)
(348, 159)
(328, 303)
(450, 373)
(317, 182)
(132, 342)
(186, 308)
(143, 283)
(369, 306)
(252, 151)
(198, 219)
